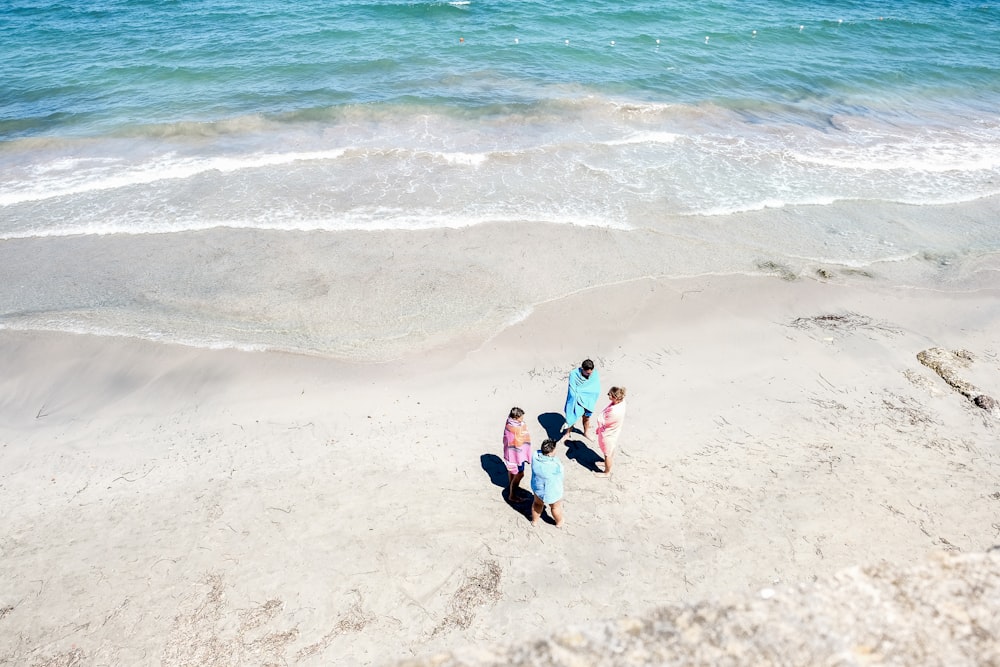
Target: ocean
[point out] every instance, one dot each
(223, 173)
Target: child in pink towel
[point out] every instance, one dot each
(609, 426)
(516, 451)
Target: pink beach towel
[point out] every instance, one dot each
(516, 446)
(609, 426)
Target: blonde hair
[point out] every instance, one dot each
(617, 393)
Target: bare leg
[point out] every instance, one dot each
(586, 427)
(515, 491)
(556, 509)
(536, 510)
(515, 485)
(609, 458)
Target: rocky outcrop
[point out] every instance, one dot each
(946, 364)
(942, 612)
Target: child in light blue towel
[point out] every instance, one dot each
(547, 483)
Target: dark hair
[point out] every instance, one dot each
(587, 365)
(516, 413)
(548, 446)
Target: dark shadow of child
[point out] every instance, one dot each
(494, 466)
(552, 422)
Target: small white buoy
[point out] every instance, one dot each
(567, 42)
(657, 41)
(801, 28)
(754, 33)
(612, 42)
(517, 41)
(706, 40)
(840, 21)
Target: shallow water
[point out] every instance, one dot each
(148, 150)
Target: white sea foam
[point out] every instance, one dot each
(916, 157)
(618, 170)
(858, 263)
(166, 167)
(641, 108)
(761, 205)
(70, 164)
(469, 159)
(75, 328)
(645, 138)
(371, 220)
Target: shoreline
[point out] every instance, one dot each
(168, 505)
(389, 295)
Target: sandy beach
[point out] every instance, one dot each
(273, 275)
(180, 506)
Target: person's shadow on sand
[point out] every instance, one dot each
(582, 454)
(576, 450)
(552, 422)
(494, 466)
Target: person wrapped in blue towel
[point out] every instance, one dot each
(547, 483)
(583, 390)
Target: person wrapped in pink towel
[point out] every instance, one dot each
(516, 451)
(609, 427)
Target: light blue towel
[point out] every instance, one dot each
(581, 395)
(546, 477)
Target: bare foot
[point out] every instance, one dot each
(602, 474)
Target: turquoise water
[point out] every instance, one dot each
(741, 104)
(168, 118)
(97, 68)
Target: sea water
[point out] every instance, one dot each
(712, 122)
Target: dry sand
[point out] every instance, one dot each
(175, 506)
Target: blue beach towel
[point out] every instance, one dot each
(546, 477)
(582, 394)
